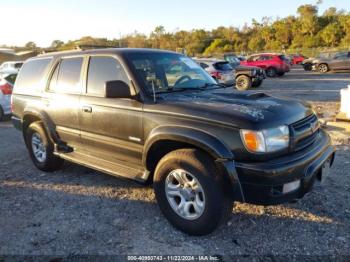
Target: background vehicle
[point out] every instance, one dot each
(6, 86)
(11, 67)
(297, 59)
(244, 77)
(339, 62)
(273, 64)
(220, 70)
(256, 74)
(157, 116)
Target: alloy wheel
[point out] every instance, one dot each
(185, 194)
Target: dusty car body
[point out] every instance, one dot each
(156, 116)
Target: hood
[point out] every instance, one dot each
(242, 110)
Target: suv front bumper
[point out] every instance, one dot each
(262, 183)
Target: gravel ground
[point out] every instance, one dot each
(79, 211)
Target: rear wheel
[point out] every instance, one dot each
(271, 72)
(307, 67)
(243, 82)
(41, 148)
(323, 68)
(189, 191)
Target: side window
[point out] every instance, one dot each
(31, 76)
(101, 70)
(66, 77)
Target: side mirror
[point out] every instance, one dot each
(117, 89)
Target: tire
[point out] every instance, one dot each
(271, 72)
(243, 82)
(281, 73)
(41, 148)
(1, 114)
(257, 83)
(307, 67)
(215, 208)
(323, 68)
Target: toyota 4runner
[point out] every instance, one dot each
(157, 116)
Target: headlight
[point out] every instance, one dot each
(265, 141)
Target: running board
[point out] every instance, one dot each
(104, 166)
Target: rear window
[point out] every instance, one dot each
(283, 57)
(31, 76)
(11, 78)
(223, 66)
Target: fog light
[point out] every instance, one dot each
(289, 187)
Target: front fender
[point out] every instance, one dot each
(201, 139)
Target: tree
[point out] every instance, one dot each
(30, 45)
(57, 44)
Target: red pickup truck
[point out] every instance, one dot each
(273, 64)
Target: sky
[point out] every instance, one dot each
(43, 21)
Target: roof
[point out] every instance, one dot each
(266, 54)
(106, 50)
(210, 60)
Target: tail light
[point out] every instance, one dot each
(6, 89)
(216, 74)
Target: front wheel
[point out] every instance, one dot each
(323, 68)
(41, 148)
(243, 82)
(280, 73)
(189, 191)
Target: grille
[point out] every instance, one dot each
(304, 132)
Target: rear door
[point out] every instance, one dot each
(111, 128)
(62, 98)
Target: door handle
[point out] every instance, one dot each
(87, 109)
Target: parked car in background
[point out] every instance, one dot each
(273, 64)
(297, 59)
(6, 86)
(202, 146)
(339, 62)
(10, 67)
(220, 70)
(256, 74)
(244, 77)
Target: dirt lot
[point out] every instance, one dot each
(79, 211)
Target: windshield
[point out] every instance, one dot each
(164, 72)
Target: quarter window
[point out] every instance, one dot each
(101, 70)
(31, 76)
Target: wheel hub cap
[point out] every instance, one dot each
(38, 147)
(185, 194)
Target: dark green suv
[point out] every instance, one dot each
(156, 116)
